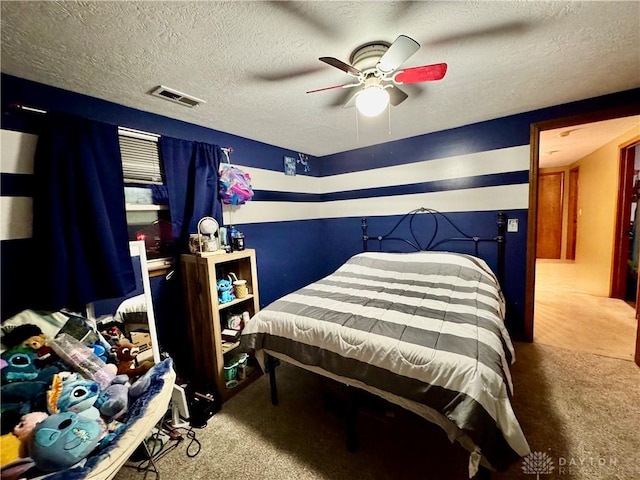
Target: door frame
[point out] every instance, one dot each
(532, 214)
(623, 214)
(572, 213)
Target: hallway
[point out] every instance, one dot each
(577, 321)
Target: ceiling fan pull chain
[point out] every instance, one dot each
(357, 126)
(389, 110)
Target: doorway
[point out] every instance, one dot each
(571, 236)
(625, 261)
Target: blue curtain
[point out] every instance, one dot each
(79, 219)
(191, 170)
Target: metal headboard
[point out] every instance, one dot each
(499, 239)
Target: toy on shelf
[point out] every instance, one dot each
(225, 290)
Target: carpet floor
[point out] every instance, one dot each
(578, 409)
(569, 318)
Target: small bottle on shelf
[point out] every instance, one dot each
(238, 241)
(233, 233)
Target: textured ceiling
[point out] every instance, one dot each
(253, 61)
(563, 146)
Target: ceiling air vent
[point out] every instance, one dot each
(176, 96)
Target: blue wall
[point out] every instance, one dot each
(292, 253)
(283, 264)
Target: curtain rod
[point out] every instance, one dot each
(131, 132)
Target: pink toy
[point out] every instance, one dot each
(24, 429)
(27, 423)
(235, 185)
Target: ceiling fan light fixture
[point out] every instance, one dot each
(372, 100)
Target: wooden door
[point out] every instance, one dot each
(549, 218)
(572, 217)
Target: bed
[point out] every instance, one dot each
(143, 412)
(423, 330)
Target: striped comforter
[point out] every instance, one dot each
(426, 328)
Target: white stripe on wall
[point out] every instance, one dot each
(505, 197)
(269, 180)
(512, 159)
(16, 218)
(258, 212)
(17, 151)
(504, 160)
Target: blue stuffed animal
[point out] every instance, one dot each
(113, 401)
(71, 393)
(20, 366)
(225, 289)
(63, 439)
(24, 385)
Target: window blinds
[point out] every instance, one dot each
(140, 158)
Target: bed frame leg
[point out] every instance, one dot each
(352, 415)
(271, 366)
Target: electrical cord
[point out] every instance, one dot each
(193, 447)
(192, 435)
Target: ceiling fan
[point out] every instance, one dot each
(375, 66)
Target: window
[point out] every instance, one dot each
(145, 194)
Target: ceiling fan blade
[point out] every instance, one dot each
(345, 85)
(425, 73)
(398, 53)
(345, 67)
(396, 96)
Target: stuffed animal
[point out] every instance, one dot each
(9, 449)
(21, 398)
(99, 351)
(225, 289)
(126, 353)
(30, 336)
(28, 422)
(24, 385)
(63, 439)
(25, 428)
(113, 334)
(113, 401)
(21, 366)
(71, 393)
